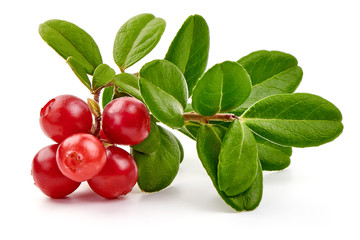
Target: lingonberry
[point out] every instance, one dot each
(118, 176)
(81, 156)
(47, 175)
(65, 115)
(103, 136)
(126, 121)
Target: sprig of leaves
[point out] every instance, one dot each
(244, 115)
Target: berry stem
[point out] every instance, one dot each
(223, 117)
(97, 123)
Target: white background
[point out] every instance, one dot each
(317, 197)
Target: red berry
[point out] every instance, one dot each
(103, 136)
(65, 115)
(47, 175)
(118, 176)
(81, 156)
(126, 121)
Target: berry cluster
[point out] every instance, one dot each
(80, 154)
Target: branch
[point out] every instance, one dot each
(223, 117)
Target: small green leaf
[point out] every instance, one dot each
(189, 108)
(190, 49)
(237, 160)
(168, 77)
(152, 142)
(250, 199)
(273, 157)
(295, 120)
(184, 131)
(191, 129)
(164, 90)
(103, 74)
(181, 150)
(208, 146)
(222, 88)
(162, 105)
(107, 96)
(271, 72)
(67, 39)
(136, 38)
(157, 170)
(79, 71)
(129, 84)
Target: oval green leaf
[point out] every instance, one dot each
(103, 74)
(164, 90)
(107, 96)
(190, 49)
(162, 105)
(223, 87)
(295, 120)
(79, 71)
(168, 77)
(67, 40)
(152, 142)
(136, 38)
(208, 146)
(128, 83)
(251, 198)
(182, 154)
(157, 170)
(190, 129)
(273, 157)
(271, 72)
(237, 160)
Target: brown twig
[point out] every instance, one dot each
(224, 117)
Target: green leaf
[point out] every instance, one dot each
(295, 120)
(237, 160)
(79, 71)
(191, 129)
(107, 96)
(190, 49)
(271, 73)
(158, 169)
(181, 149)
(164, 90)
(152, 142)
(273, 157)
(208, 146)
(68, 40)
(129, 84)
(103, 74)
(222, 88)
(168, 77)
(162, 105)
(136, 38)
(250, 199)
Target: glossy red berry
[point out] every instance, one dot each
(47, 175)
(126, 121)
(81, 156)
(65, 115)
(118, 176)
(103, 136)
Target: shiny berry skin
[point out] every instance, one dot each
(126, 121)
(119, 175)
(47, 175)
(65, 115)
(103, 136)
(81, 156)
